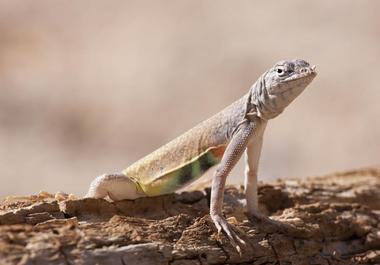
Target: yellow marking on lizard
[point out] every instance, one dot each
(182, 175)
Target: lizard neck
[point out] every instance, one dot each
(263, 104)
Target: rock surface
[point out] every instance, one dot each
(335, 219)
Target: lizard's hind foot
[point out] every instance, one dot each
(116, 186)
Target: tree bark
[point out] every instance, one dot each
(329, 220)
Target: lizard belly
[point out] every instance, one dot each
(186, 174)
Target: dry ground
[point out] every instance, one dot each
(334, 220)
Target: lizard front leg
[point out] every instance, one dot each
(252, 157)
(231, 156)
(250, 184)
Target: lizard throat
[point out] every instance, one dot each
(261, 103)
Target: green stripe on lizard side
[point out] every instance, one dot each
(182, 176)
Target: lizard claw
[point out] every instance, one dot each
(223, 226)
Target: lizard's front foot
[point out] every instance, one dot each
(223, 226)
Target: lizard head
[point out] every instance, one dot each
(289, 76)
(280, 85)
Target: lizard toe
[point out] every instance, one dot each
(222, 225)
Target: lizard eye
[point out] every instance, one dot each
(280, 71)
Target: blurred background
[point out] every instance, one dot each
(89, 87)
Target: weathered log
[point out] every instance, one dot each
(333, 219)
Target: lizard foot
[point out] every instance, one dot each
(269, 225)
(223, 226)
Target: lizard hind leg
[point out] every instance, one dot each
(117, 186)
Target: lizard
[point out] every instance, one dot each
(220, 140)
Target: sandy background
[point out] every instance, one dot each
(89, 87)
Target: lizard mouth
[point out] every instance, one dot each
(302, 73)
